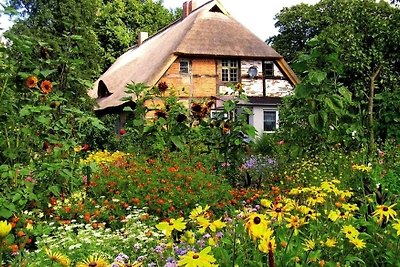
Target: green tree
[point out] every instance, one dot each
(119, 22)
(368, 35)
(62, 43)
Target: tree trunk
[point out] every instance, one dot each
(371, 142)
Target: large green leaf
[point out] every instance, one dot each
(316, 77)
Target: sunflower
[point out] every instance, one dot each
(5, 228)
(31, 82)
(200, 259)
(256, 225)
(58, 257)
(384, 212)
(173, 224)
(46, 87)
(93, 261)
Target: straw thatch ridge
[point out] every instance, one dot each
(207, 31)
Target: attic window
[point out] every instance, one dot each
(102, 90)
(184, 66)
(269, 69)
(216, 9)
(230, 70)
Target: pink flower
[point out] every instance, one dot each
(281, 142)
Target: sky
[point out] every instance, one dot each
(256, 15)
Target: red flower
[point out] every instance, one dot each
(46, 87)
(122, 131)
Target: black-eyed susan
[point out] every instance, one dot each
(46, 86)
(295, 222)
(350, 231)
(256, 225)
(31, 82)
(308, 244)
(267, 244)
(5, 228)
(198, 211)
(58, 257)
(93, 261)
(396, 226)
(330, 242)
(198, 259)
(279, 211)
(173, 224)
(334, 215)
(358, 243)
(384, 212)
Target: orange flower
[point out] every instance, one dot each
(31, 82)
(46, 87)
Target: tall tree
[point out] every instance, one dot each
(63, 46)
(368, 34)
(119, 22)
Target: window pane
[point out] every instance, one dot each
(269, 120)
(225, 75)
(184, 66)
(268, 69)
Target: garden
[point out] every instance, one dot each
(184, 189)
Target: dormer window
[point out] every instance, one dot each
(184, 66)
(230, 70)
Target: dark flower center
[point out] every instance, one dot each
(257, 220)
(92, 264)
(195, 256)
(278, 210)
(385, 209)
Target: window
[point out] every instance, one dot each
(269, 69)
(230, 70)
(219, 115)
(270, 120)
(184, 66)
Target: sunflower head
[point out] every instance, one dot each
(46, 87)
(31, 82)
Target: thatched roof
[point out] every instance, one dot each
(207, 31)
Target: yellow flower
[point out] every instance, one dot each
(198, 211)
(350, 207)
(358, 243)
(256, 225)
(267, 244)
(5, 228)
(265, 203)
(96, 261)
(218, 224)
(168, 227)
(350, 231)
(330, 242)
(295, 223)
(362, 168)
(309, 245)
(384, 212)
(58, 257)
(188, 237)
(203, 223)
(201, 259)
(396, 226)
(279, 211)
(334, 215)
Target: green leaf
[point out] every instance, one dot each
(46, 73)
(302, 90)
(43, 120)
(316, 77)
(345, 93)
(5, 213)
(128, 109)
(315, 122)
(76, 37)
(229, 105)
(178, 142)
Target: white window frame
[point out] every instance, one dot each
(276, 120)
(215, 114)
(227, 65)
(181, 70)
